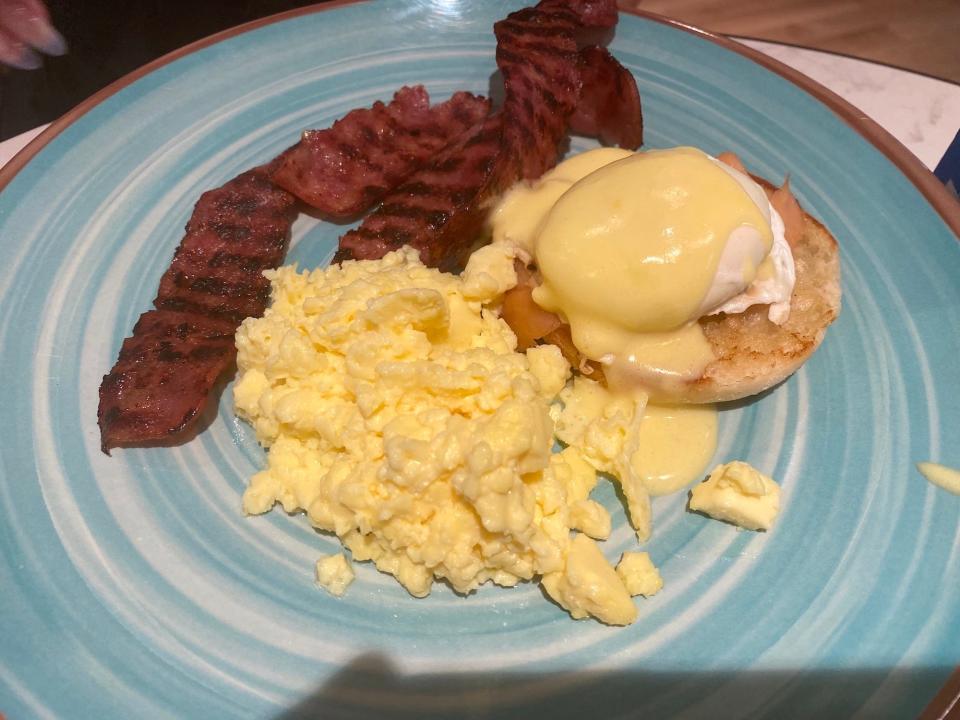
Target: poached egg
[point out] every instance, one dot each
(634, 247)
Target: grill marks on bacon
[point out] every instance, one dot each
(537, 55)
(235, 233)
(166, 370)
(163, 375)
(344, 170)
(440, 210)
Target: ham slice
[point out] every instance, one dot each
(437, 169)
(347, 168)
(165, 371)
(441, 209)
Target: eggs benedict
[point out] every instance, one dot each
(668, 271)
(671, 280)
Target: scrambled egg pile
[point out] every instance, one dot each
(398, 415)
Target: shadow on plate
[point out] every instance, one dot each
(371, 687)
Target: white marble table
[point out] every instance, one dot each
(921, 112)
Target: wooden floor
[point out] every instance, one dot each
(921, 35)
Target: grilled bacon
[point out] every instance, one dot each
(441, 208)
(450, 160)
(166, 369)
(609, 105)
(163, 376)
(235, 233)
(347, 168)
(537, 55)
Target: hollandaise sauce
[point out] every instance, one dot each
(941, 475)
(629, 256)
(676, 444)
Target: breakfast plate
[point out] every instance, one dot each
(133, 586)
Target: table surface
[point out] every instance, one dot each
(921, 112)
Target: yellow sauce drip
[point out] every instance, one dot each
(517, 219)
(941, 476)
(656, 360)
(676, 444)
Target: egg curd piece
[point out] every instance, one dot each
(334, 573)
(640, 576)
(604, 428)
(738, 493)
(398, 415)
(942, 476)
(588, 585)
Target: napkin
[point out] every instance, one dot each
(948, 169)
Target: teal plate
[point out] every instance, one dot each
(133, 586)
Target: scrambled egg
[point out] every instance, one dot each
(639, 575)
(588, 585)
(334, 573)
(604, 427)
(740, 494)
(398, 415)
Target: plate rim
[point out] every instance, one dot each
(947, 699)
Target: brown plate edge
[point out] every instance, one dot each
(946, 704)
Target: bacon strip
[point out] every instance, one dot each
(165, 371)
(235, 233)
(440, 209)
(537, 55)
(347, 168)
(609, 106)
(163, 375)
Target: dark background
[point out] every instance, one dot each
(108, 39)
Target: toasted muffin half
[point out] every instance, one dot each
(753, 353)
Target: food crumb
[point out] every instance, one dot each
(740, 494)
(940, 475)
(334, 574)
(640, 576)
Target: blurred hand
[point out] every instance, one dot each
(25, 31)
